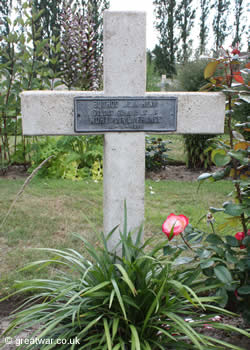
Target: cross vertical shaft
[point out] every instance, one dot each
(124, 153)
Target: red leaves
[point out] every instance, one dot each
(237, 77)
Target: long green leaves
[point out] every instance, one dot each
(135, 301)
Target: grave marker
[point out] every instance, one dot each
(53, 113)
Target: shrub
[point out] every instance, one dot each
(75, 157)
(156, 153)
(224, 263)
(191, 75)
(131, 300)
(227, 260)
(191, 78)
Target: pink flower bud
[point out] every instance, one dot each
(236, 52)
(239, 236)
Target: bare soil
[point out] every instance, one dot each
(171, 172)
(14, 172)
(176, 173)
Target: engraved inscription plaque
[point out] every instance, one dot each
(116, 114)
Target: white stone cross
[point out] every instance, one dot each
(52, 113)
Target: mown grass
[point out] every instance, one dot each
(49, 211)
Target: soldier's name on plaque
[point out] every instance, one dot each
(104, 114)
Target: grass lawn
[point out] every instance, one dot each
(49, 211)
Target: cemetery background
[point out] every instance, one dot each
(177, 203)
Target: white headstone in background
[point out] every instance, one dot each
(52, 113)
(163, 82)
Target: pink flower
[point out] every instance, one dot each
(240, 236)
(174, 225)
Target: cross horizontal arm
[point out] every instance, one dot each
(52, 112)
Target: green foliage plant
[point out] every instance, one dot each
(24, 65)
(74, 157)
(227, 260)
(156, 153)
(191, 78)
(127, 298)
(223, 262)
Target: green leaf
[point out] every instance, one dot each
(240, 156)
(220, 157)
(119, 297)
(115, 327)
(238, 136)
(232, 241)
(234, 209)
(213, 238)
(107, 334)
(206, 264)
(203, 253)
(215, 210)
(222, 293)
(126, 278)
(168, 250)
(245, 98)
(210, 69)
(244, 289)
(246, 241)
(204, 176)
(221, 174)
(183, 260)
(135, 338)
(223, 274)
(96, 288)
(231, 258)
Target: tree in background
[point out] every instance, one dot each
(185, 17)
(153, 77)
(165, 52)
(50, 18)
(5, 8)
(238, 26)
(220, 26)
(204, 6)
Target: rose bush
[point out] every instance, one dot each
(223, 262)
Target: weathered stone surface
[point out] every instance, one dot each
(52, 112)
(198, 112)
(124, 153)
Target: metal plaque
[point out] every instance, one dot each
(111, 114)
